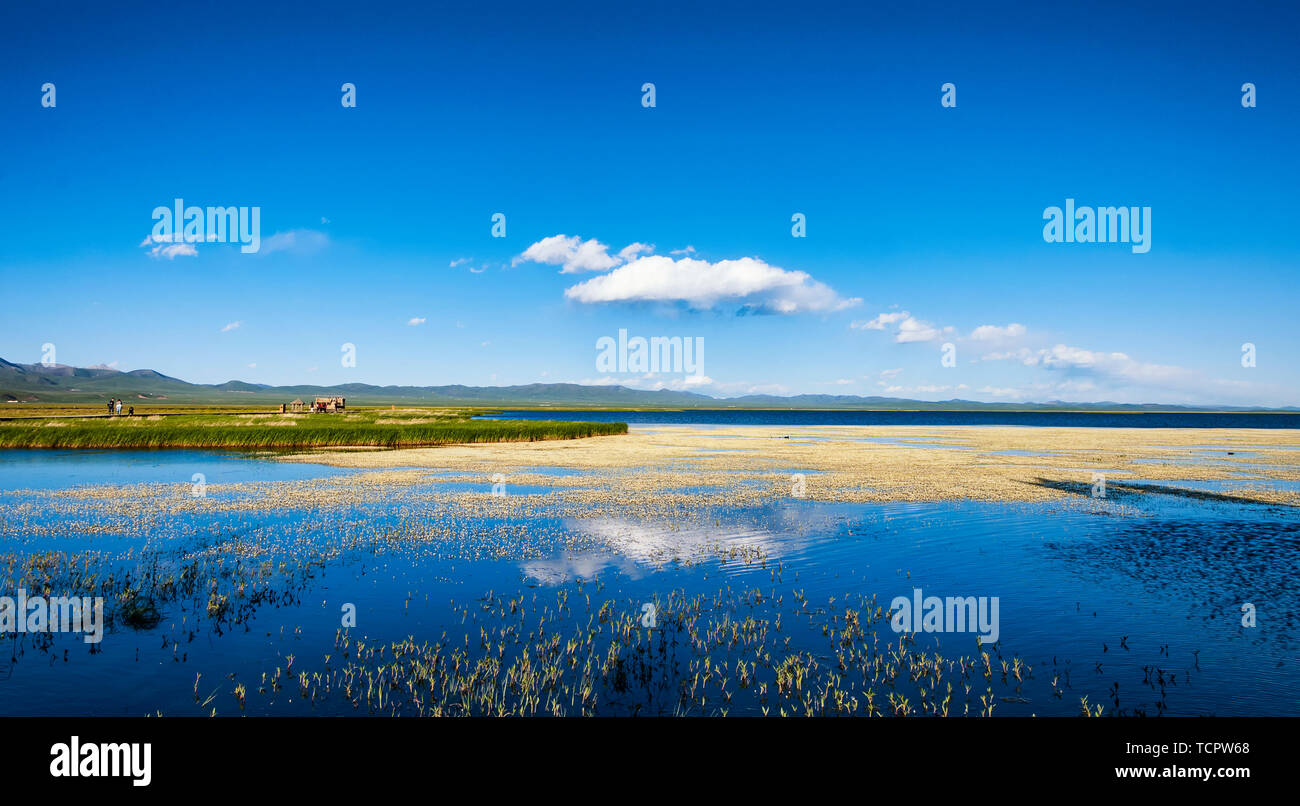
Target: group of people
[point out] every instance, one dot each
(115, 407)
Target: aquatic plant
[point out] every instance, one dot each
(373, 428)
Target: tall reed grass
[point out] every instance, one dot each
(303, 431)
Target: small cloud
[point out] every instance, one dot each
(460, 261)
(175, 250)
(252, 366)
(999, 391)
(696, 380)
(653, 382)
(996, 333)
(923, 389)
(687, 252)
(633, 249)
(298, 241)
(168, 246)
(416, 320)
(890, 373)
(571, 254)
(232, 326)
(910, 329)
(880, 321)
(479, 270)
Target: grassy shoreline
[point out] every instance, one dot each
(369, 428)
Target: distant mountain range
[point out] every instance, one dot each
(37, 383)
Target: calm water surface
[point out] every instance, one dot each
(1100, 594)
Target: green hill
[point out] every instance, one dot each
(57, 384)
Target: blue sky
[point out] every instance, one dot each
(924, 223)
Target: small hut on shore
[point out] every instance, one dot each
(296, 405)
(329, 404)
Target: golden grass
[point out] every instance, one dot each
(846, 464)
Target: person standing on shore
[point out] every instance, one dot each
(119, 407)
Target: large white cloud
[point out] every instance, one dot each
(748, 282)
(634, 274)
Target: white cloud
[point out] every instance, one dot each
(1074, 372)
(995, 333)
(912, 329)
(162, 246)
(232, 326)
(923, 389)
(880, 321)
(174, 250)
(416, 320)
(573, 254)
(693, 383)
(460, 261)
(633, 249)
(749, 282)
(999, 391)
(890, 373)
(1008, 355)
(1114, 370)
(1063, 356)
(636, 275)
(699, 384)
(298, 241)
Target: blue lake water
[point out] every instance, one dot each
(45, 470)
(1052, 419)
(1134, 601)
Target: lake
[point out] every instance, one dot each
(469, 602)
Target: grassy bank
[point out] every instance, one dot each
(373, 428)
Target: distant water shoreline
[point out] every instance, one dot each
(1046, 419)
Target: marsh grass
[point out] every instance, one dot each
(378, 428)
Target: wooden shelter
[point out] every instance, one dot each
(328, 404)
(296, 405)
